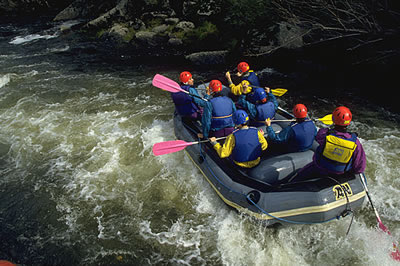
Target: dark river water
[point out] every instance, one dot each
(79, 184)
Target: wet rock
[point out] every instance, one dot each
(290, 36)
(149, 38)
(137, 24)
(120, 33)
(68, 14)
(208, 58)
(175, 42)
(160, 29)
(172, 21)
(185, 26)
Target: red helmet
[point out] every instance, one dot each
(342, 116)
(185, 76)
(300, 111)
(215, 85)
(243, 67)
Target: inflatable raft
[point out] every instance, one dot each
(265, 191)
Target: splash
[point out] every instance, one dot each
(4, 80)
(32, 37)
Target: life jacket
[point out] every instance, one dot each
(304, 135)
(265, 110)
(221, 116)
(183, 102)
(247, 145)
(252, 78)
(337, 153)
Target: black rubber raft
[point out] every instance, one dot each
(265, 191)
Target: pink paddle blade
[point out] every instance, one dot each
(166, 84)
(396, 253)
(383, 227)
(171, 146)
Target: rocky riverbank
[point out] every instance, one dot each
(243, 28)
(356, 42)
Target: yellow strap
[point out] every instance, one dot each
(219, 117)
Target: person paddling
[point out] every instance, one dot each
(265, 106)
(245, 73)
(217, 113)
(245, 144)
(339, 151)
(248, 78)
(299, 135)
(186, 105)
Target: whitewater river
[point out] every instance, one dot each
(79, 184)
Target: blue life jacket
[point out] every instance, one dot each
(334, 165)
(247, 145)
(303, 136)
(183, 102)
(252, 78)
(265, 110)
(221, 113)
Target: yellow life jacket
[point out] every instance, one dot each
(338, 149)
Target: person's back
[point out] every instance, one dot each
(247, 145)
(185, 105)
(265, 106)
(339, 151)
(298, 136)
(217, 116)
(304, 132)
(244, 145)
(221, 112)
(336, 150)
(249, 82)
(245, 73)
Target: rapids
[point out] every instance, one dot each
(79, 184)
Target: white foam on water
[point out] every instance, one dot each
(240, 242)
(59, 49)
(4, 80)
(32, 37)
(95, 153)
(182, 235)
(383, 155)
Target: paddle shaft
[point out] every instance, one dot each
(273, 120)
(193, 95)
(362, 177)
(255, 86)
(207, 140)
(275, 92)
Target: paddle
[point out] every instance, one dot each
(277, 92)
(395, 253)
(167, 84)
(327, 120)
(172, 146)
